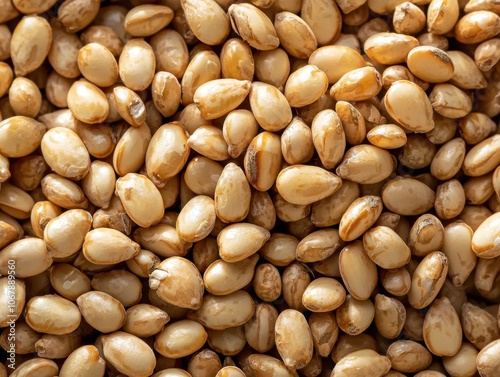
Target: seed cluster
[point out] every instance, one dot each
(220, 188)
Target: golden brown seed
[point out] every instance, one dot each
(366, 164)
(52, 314)
(101, 311)
(448, 159)
(487, 363)
(397, 281)
(232, 310)
(479, 326)
(352, 122)
(483, 157)
(128, 105)
(270, 107)
(328, 138)
(221, 277)
(203, 67)
(83, 362)
(210, 26)
(408, 356)
(466, 73)
(130, 151)
(442, 16)
(318, 245)
(7, 75)
(408, 19)
(218, 97)
(75, 15)
(395, 73)
(30, 44)
(295, 35)
(263, 160)
(362, 280)
(24, 96)
(201, 176)
(230, 371)
(386, 248)
(87, 102)
(180, 339)
(99, 184)
(232, 194)
(305, 86)
(108, 246)
(272, 67)
(148, 19)
(267, 282)
(426, 235)
(476, 127)
(167, 153)
(487, 54)
(178, 58)
(239, 241)
(476, 27)
(418, 118)
(389, 48)
(359, 217)
(296, 142)
(228, 341)
(450, 199)
(450, 101)
(428, 279)
(357, 85)
(324, 19)
(328, 60)
(237, 60)
(166, 92)
(323, 295)
(68, 281)
(129, 354)
(40, 366)
(301, 184)
(407, 196)
(137, 64)
(120, 284)
(293, 339)
(264, 365)
(196, 219)
(430, 64)
(238, 130)
(484, 241)
(103, 35)
(98, 64)
(20, 136)
(177, 281)
(253, 26)
(387, 136)
(30, 257)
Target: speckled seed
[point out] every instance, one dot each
(293, 339)
(167, 153)
(180, 339)
(408, 356)
(210, 26)
(450, 101)
(389, 48)
(450, 199)
(487, 361)
(442, 329)
(359, 217)
(218, 97)
(269, 107)
(366, 164)
(485, 240)
(223, 277)
(253, 26)
(359, 363)
(323, 295)
(87, 102)
(409, 105)
(239, 241)
(390, 315)
(295, 35)
(137, 64)
(479, 326)
(328, 138)
(386, 248)
(30, 44)
(52, 314)
(358, 272)
(222, 312)
(408, 197)
(263, 160)
(483, 157)
(324, 19)
(108, 246)
(196, 219)
(357, 85)
(428, 279)
(177, 281)
(148, 19)
(30, 256)
(232, 194)
(129, 354)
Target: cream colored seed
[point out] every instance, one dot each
(362, 280)
(166, 93)
(177, 60)
(407, 196)
(357, 85)
(442, 15)
(210, 26)
(450, 101)
(483, 157)
(196, 219)
(430, 64)
(466, 73)
(386, 248)
(389, 48)
(228, 342)
(98, 64)
(296, 142)
(324, 19)
(263, 160)
(239, 241)
(387, 136)
(259, 329)
(29, 254)
(408, 19)
(272, 67)
(295, 35)
(450, 199)
(397, 281)
(83, 357)
(63, 54)
(221, 277)
(120, 284)
(108, 246)
(130, 151)
(476, 27)
(201, 176)
(203, 67)
(318, 245)
(270, 107)
(448, 159)
(20, 136)
(62, 273)
(408, 356)
(129, 106)
(323, 295)
(487, 363)
(146, 20)
(137, 64)
(442, 329)
(87, 102)
(18, 288)
(328, 138)
(180, 339)
(101, 311)
(24, 97)
(52, 314)
(305, 85)
(232, 194)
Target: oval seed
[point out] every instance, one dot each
(358, 272)
(137, 64)
(386, 248)
(85, 357)
(484, 241)
(442, 329)
(295, 35)
(180, 339)
(97, 64)
(263, 160)
(270, 107)
(52, 314)
(305, 85)
(87, 102)
(108, 246)
(239, 241)
(210, 26)
(357, 85)
(101, 311)
(389, 48)
(390, 315)
(407, 196)
(359, 217)
(323, 295)
(148, 19)
(223, 277)
(196, 219)
(430, 64)
(359, 363)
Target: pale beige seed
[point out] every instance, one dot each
(270, 107)
(130, 151)
(230, 371)
(203, 67)
(120, 284)
(301, 184)
(180, 339)
(428, 279)
(359, 217)
(177, 281)
(167, 153)
(24, 96)
(57, 88)
(279, 249)
(357, 85)
(237, 60)
(210, 26)
(487, 54)
(40, 366)
(196, 219)
(30, 44)
(137, 64)
(253, 26)
(218, 97)
(238, 130)
(146, 20)
(30, 256)
(450, 199)
(450, 101)
(466, 73)
(129, 354)
(395, 73)
(177, 60)
(16, 201)
(259, 330)
(228, 342)
(361, 280)
(323, 295)
(201, 176)
(329, 58)
(328, 138)
(396, 281)
(221, 277)
(318, 245)
(166, 93)
(418, 116)
(478, 189)
(52, 314)
(329, 211)
(389, 48)
(101, 311)
(305, 85)
(442, 329)
(366, 164)
(296, 142)
(387, 136)
(293, 339)
(408, 19)
(430, 64)
(103, 35)
(407, 196)
(108, 246)
(442, 15)
(143, 263)
(487, 362)
(63, 54)
(294, 281)
(262, 211)
(140, 198)
(128, 105)
(476, 27)
(463, 363)
(295, 35)
(361, 362)
(272, 67)
(85, 9)
(485, 238)
(20, 136)
(69, 281)
(262, 161)
(448, 159)
(87, 102)
(408, 356)
(444, 130)
(390, 315)
(386, 248)
(417, 153)
(239, 241)
(85, 361)
(99, 183)
(13, 293)
(479, 326)
(476, 127)
(222, 312)
(324, 19)
(232, 194)
(98, 64)
(483, 157)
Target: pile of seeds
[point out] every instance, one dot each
(219, 188)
